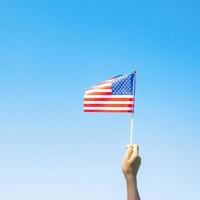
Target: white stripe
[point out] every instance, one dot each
(108, 102)
(109, 81)
(108, 96)
(98, 90)
(101, 85)
(108, 108)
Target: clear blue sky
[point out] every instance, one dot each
(51, 51)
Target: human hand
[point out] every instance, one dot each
(131, 162)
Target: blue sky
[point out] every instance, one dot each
(51, 51)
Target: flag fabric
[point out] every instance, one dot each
(113, 95)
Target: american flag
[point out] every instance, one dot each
(113, 95)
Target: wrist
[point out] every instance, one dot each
(131, 179)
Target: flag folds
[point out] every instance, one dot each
(116, 94)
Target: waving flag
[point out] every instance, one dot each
(113, 95)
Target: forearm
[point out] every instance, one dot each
(132, 191)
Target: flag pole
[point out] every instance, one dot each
(132, 114)
(131, 135)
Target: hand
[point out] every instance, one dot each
(131, 162)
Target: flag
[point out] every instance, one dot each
(113, 95)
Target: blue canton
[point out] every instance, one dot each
(123, 85)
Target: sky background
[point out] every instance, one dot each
(51, 52)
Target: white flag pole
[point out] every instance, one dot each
(131, 135)
(132, 114)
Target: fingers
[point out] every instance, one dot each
(129, 151)
(135, 153)
(129, 145)
(132, 151)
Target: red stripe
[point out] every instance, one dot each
(114, 111)
(109, 99)
(108, 105)
(104, 87)
(99, 93)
